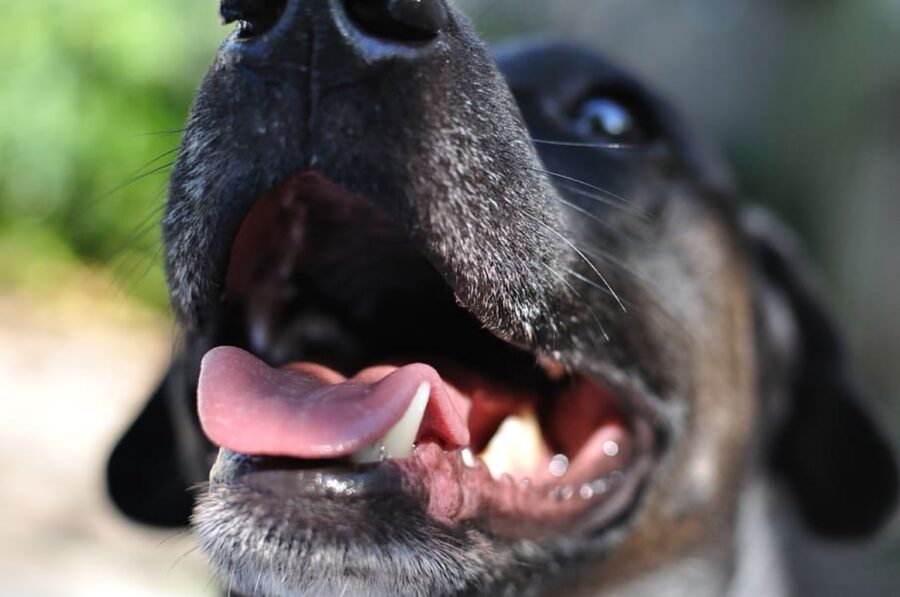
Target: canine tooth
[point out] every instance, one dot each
(370, 454)
(398, 442)
(517, 447)
(468, 458)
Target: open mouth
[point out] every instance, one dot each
(345, 367)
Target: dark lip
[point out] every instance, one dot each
(289, 477)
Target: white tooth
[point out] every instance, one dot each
(516, 448)
(398, 441)
(373, 453)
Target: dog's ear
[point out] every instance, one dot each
(831, 453)
(144, 473)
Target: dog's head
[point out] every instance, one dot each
(457, 331)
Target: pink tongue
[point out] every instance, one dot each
(311, 412)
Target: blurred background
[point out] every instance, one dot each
(803, 95)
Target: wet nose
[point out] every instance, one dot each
(400, 22)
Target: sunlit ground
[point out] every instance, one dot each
(74, 369)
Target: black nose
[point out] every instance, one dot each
(272, 31)
(399, 20)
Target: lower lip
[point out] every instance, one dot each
(453, 489)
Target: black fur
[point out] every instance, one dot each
(629, 274)
(825, 443)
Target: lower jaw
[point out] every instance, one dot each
(452, 488)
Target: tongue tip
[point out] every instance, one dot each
(216, 368)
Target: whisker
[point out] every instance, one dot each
(647, 285)
(122, 259)
(173, 535)
(153, 260)
(583, 144)
(179, 559)
(610, 258)
(128, 271)
(583, 257)
(126, 260)
(161, 133)
(592, 284)
(601, 190)
(149, 223)
(577, 294)
(135, 178)
(586, 213)
(212, 578)
(607, 199)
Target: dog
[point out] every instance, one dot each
(457, 322)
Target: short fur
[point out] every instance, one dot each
(648, 270)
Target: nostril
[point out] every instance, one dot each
(399, 20)
(254, 17)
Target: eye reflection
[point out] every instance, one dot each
(607, 119)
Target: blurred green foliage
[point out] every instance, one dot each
(91, 92)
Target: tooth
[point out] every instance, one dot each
(517, 447)
(468, 458)
(398, 441)
(373, 453)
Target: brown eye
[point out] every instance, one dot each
(253, 17)
(608, 120)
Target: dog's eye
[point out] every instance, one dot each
(253, 17)
(608, 120)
